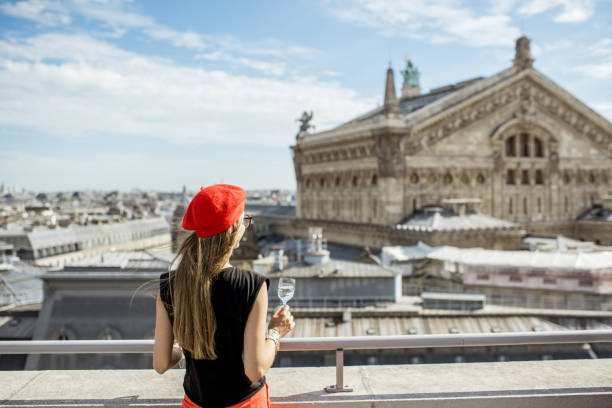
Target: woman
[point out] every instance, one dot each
(216, 311)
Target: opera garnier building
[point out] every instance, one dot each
(476, 163)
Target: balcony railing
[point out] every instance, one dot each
(339, 344)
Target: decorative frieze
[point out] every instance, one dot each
(530, 96)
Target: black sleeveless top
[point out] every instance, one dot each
(222, 382)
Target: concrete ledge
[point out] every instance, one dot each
(554, 384)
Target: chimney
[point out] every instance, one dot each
(522, 56)
(316, 253)
(278, 253)
(391, 105)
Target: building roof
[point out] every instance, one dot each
(336, 269)
(414, 103)
(438, 218)
(20, 285)
(560, 243)
(44, 237)
(17, 327)
(596, 213)
(556, 260)
(145, 259)
(398, 254)
(397, 325)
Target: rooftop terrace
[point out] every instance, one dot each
(534, 384)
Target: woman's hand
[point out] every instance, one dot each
(282, 321)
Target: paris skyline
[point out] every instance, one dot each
(121, 95)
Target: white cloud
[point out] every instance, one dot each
(76, 86)
(605, 108)
(270, 68)
(501, 6)
(601, 48)
(46, 12)
(601, 54)
(185, 39)
(600, 70)
(572, 11)
(118, 17)
(442, 20)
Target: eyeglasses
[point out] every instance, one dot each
(247, 221)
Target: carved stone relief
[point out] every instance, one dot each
(530, 95)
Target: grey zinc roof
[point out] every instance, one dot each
(336, 269)
(597, 213)
(401, 325)
(43, 237)
(125, 260)
(17, 327)
(412, 104)
(21, 284)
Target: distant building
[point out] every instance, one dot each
(97, 298)
(531, 152)
(537, 279)
(56, 246)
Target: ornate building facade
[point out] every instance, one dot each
(527, 149)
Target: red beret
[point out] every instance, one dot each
(214, 209)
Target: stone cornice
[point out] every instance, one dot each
(356, 130)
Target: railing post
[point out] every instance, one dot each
(339, 386)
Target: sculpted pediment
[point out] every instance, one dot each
(529, 97)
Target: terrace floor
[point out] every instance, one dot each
(556, 383)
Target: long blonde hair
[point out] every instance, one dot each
(201, 259)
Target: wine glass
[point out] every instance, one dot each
(286, 287)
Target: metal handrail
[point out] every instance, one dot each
(326, 343)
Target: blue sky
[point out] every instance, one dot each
(117, 94)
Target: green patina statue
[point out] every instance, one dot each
(305, 122)
(411, 74)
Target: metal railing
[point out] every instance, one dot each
(339, 344)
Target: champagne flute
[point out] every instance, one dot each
(286, 288)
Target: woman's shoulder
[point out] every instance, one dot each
(239, 276)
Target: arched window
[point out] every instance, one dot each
(374, 180)
(539, 177)
(511, 146)
(525, 177)
(354, 180)
(538, 147)
(322, 182)
(337, 182)
(524, 145)
(510, 178)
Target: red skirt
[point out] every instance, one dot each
(261, 399)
